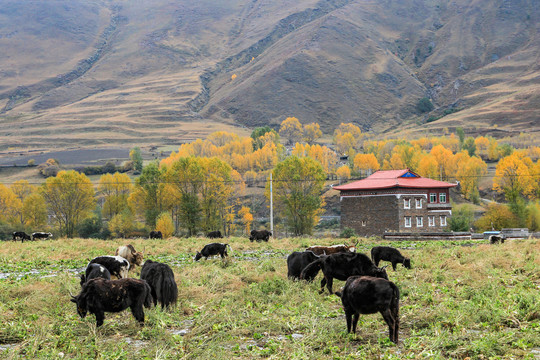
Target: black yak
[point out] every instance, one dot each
(94, 271)
(391, 254)
(297, 261)
(117, 265)
(259, 235)
(100, 295)
(212, 249)
(214, 234)
(341, 266)
(156, 235)
(160, 277)
(368, 295)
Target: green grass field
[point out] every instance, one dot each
(477, 301)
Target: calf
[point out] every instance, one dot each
(341, 266)
(21, 235)
(368, 295)
(212, 249)
(117, 265)
(156, 235)
(297, 261)
(129, 253)
(214, 234)
(334, 249)
(494, 239)
(100, 295)
(160, 277)
(391, 254)
(260, 235)
(41, 235)
(94, 271)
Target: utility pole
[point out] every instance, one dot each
(271, 207)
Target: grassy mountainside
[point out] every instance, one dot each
(136, 73)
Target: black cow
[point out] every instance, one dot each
(117, 265)
(391, 254)
(156, 235)
(368, 295)
(259, 235)
(212, 249)
(21, 235)
(297, 261)
(494, 239)
(214, 234)
(341, 266)
(94, 271)
(160, 277)
(41, 235)
(100, 295)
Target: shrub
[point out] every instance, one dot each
(347, 233)
(424, 105)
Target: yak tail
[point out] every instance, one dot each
(311, 270)
(169, 290)
(148, 300)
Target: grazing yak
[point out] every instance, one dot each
(156, 235)
(212, 249)
(297, 261)
(94, 271)
(160, 277)
(391, 254)
(341, 266)
(21, 235)
(334, 249)
(41, 235)
(494, 239)
(260, 235)
(117, 265)
(369, 295)
(214, 234)
(129, 253)
(100, 295)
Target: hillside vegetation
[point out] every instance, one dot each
(162, 72)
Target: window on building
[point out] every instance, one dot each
(419, 221)
(407, 221)
(433, 198)
(407, 203)
(431, 220)
(418, 203)
(363, 222)
(442, 198)
(443, 220)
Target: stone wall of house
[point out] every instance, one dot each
(370, 216)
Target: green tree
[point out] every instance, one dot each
(70, 197)
(136, 157)
(462, 218)
(424, 105)
(298, 184)
(258, 136)
(147, 195)
(470, 146)
(461, 136)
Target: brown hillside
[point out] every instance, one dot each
(159, 72)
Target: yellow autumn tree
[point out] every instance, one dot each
(22, 189)
(512, 177)
(469, 174)
(366, 164)
(246, 218)
(34, 209)
(348, 139)
(70, 197)
(9, 203)
(115, 189)
(164, 223)
(343, 173)
(291, 129)
(312, 132)
(428, 167)
(444, 158)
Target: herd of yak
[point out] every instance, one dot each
(367, 289)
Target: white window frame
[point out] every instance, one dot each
(443, 220)
(407, 203)
(433, 197)
(408, 221)
(418, 203)
(431, 220)
(441, 196)
(364, 223)
(419, 221)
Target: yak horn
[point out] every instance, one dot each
(70, 294)
(384, 267)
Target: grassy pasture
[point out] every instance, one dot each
(478, 301)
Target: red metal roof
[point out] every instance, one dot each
(394, 178)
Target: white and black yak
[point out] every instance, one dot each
(160, 277)
(369, 295)
(99, 296)
(341, 266)
(117, 265)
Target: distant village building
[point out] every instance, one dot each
(395, 201)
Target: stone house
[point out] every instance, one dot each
(395, 201)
